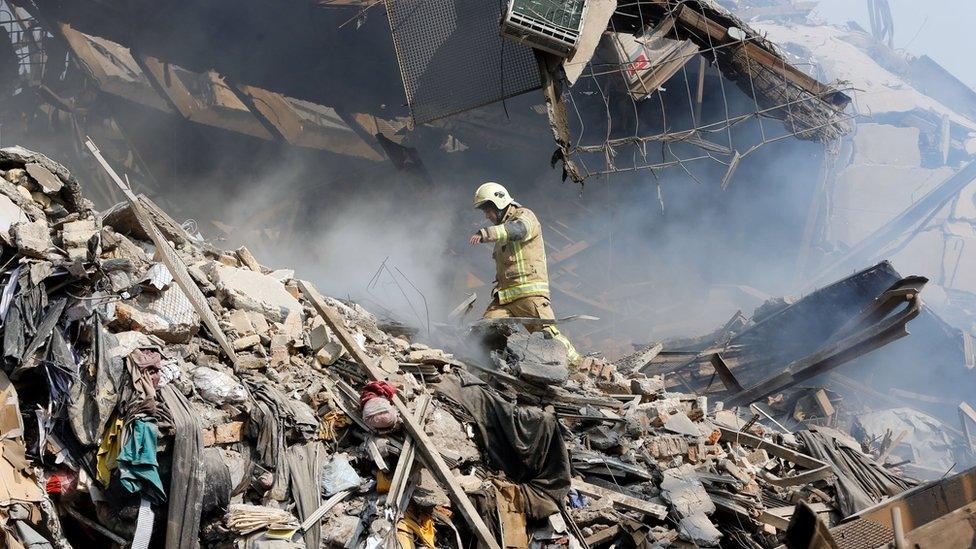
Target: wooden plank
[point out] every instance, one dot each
(323, 509)
(167, 83)
(171, 260)
(623, 500)
(724, 373)
(405, 462)
(903, 394)
(274, 109)
(823, 402)
(719, 36)
(424, 445)
(604, 536)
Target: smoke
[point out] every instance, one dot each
(362, 230)
(370, 234)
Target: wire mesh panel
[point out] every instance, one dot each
(452, 57)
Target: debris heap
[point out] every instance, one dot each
(237, 407)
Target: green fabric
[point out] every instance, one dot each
(138, 468)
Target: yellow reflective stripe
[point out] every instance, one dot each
(510, 294)
(519, 261)
(502, 233)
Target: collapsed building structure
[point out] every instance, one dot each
(184, 395)
(135, 416)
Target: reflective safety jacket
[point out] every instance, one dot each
(520, 255)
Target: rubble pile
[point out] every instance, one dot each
(126, 420)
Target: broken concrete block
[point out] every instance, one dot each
(758, 458)
(261, 326)
(282, 275)
(168, 316)
(246, 342)
(118, 246)
(665, 446)
(15, 175)
(77, 233)
(247, 259)
(46, 181)
(538, 359)
(32, 239)
(447, 433)
(318, 337)
(326, 356)
(400, 344)
(647, 386)
(250, 361)
(292, 327)
(202, 280)
(436, 357)
(292, 289)
(225, 433)
(279, 349)
(10, 214)
(699, 530)
(686, 494)
(337, 530)
(683, 425)
(251, 291)
(43, 200)
(240, 322)
(25, 193)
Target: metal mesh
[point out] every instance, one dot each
(453, 58)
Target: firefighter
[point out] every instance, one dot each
(521, 276)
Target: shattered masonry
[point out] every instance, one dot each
(295, 435)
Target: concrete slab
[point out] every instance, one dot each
(252, 291)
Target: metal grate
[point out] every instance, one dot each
(452, 56)
(862, 534)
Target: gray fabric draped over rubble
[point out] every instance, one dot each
(861, 481)
(525, 443)
(188, 473)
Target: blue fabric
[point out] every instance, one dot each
(138, 468)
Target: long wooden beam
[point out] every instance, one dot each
(424, 445)
(170, 259)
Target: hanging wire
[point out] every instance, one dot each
(607, 145)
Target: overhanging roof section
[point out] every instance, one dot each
(210, 99)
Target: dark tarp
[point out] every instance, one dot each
(861, 481)
(523, 442)
(268, 414)
(94, 396)
(305, 464)
(187, 472)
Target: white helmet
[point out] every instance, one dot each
(494, 193)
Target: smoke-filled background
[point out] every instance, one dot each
(666, 253)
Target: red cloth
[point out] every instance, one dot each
(62, 482)
(375, 389)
